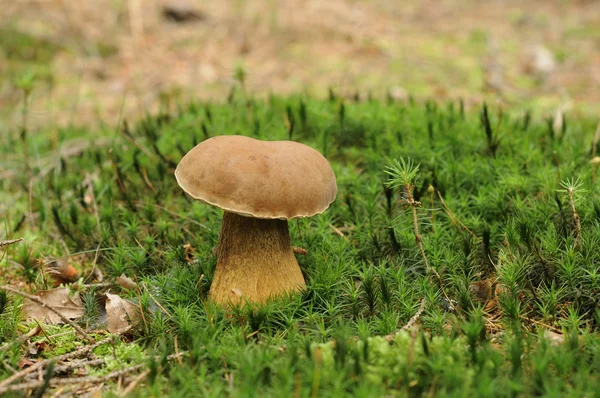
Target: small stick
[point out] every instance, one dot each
(7, 366)
(80, 380)
(37, 300)
(58, 392)
(576, 217)
(176, 346)
(337, 231)
(454, 219)
(98, 285)
(135, 382)
(93, 271)
(76, 364)
(69, 355)
(554, 329)
(410, 200)
(22, 338)
(167, 313)
(10, 242)
(147, 180)
(118, 176)
(411, 322)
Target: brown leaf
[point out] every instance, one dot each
(25, 363)
(59, 299)
(126, 282)
(120, 313)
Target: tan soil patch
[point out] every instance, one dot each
(476, 49)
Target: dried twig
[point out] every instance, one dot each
(99, 285)
(79, 380)
(455, 219)
(74, 365)
(167, 313)
(10, 242)
(413, 204)
(37, 300)
(22, 338)
(337, 231)
(74, 354)
(550, 327)
(147, 180)
(134, 383)
(411, 322)
(576, 218)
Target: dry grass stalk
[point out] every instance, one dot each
(411, 322)
(576, 218)
(413, 204)
(10, 242)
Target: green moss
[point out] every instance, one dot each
(117, 356)
(496, 172)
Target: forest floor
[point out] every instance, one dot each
(108, 59)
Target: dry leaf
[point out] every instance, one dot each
(126, 282)
(25, 363)
(59, 299)
(120, 313)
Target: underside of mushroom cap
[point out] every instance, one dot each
(262, 179)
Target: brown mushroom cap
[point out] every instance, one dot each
(261, 179)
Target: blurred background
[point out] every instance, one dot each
(108, 59)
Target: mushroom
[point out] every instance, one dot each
(259, 185)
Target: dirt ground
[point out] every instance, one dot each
(113, 58)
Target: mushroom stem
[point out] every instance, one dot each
(255, 261)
